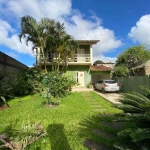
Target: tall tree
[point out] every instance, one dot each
(69, 47)
(34, 32)
(61, 46)
(97, 62)
(130, 58)
(49, 36)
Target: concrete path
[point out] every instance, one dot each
(112, 97)
(81, 89)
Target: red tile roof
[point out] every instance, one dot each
(100, 68)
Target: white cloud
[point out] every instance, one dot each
(40, 8)
(12, 42)
(105, 59)
(30, 66)
(84, 29)
(141, 32)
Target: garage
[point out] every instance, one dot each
(100, 72)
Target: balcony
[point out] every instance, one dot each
(79, 59)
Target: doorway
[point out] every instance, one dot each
(80, 78)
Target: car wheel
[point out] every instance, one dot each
(103, 91)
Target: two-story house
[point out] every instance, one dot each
(79, 66)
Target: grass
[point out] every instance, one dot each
(79, 116)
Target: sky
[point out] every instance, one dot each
(118, 24)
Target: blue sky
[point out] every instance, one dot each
(118, 24)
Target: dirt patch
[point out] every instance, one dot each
(3, 107)
(51, 106)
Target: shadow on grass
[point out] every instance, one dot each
(57, 137)
(100, 131)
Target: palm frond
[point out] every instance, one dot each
(135, 96)
(134, 118)
(129, 108)
(140, 134)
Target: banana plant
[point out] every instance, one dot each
(4, 100)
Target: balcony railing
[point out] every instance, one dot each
(78, 58)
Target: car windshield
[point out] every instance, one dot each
(110, 82)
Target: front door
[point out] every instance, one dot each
(80, 78)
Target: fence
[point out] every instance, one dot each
(133, 83)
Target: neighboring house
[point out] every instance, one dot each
(143, 69)
(79, 66)
(109, 64)
(101, 71)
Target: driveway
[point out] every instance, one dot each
(112, 97)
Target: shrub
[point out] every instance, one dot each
(5, 87)
(120, 71)
(28, 81)
(56, 85)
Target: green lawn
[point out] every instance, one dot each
(76, 119)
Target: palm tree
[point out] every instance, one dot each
(65, 48)
(36, 33)
(134, 103)
(70, 45)
(61, 45)
(49, 36)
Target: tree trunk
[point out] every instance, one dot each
(58, 62)
(44, 59)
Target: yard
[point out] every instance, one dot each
(81, 121)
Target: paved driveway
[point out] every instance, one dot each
(112, 97)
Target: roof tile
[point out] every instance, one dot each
(100, 68)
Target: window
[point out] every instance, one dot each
(110, 82)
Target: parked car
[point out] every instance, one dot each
(107, 86)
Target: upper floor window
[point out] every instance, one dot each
(81, 51)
